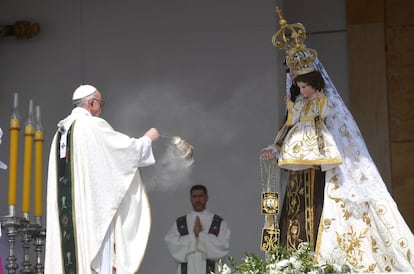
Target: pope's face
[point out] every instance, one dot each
(199, 200)
(96, 104)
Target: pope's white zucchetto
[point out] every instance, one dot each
(83, 91)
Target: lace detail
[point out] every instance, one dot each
(358, 175)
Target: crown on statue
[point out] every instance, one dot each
(291, 38)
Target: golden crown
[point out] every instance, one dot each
(291, 38)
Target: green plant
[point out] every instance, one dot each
(283, 261)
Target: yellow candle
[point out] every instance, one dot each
(38, 138)
(14, 142)
(27, 164)
(27, 168)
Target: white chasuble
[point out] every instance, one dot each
(111, 213)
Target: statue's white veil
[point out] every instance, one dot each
(358, 174)
(360, 223)
(360, 208)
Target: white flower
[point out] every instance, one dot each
(274, 272)
(294, 262)
(224, 269)
(337, 257)
(282, 264)
(303, 246)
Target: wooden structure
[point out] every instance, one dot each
(381, 75)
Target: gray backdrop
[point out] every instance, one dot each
(203, 70)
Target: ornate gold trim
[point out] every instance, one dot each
(270, 203)
(270, 239)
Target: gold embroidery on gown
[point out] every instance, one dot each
(360, 224)
(303, 147)
(302, 207)
(369, 234)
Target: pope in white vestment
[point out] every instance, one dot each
(109, 206)
(195, 254)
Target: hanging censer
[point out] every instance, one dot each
(269, 205)
(181, 149)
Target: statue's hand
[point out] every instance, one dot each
(267, 154)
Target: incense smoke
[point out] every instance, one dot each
(171, 171)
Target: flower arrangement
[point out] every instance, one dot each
(285, 261)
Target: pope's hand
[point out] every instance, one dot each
(152, 134)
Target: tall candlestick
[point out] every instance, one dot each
(27, 167)
(38, 166)
(14, 142)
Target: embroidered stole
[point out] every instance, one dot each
(65, 205)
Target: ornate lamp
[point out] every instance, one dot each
(21, 29)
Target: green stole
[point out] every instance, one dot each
(65, 203)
